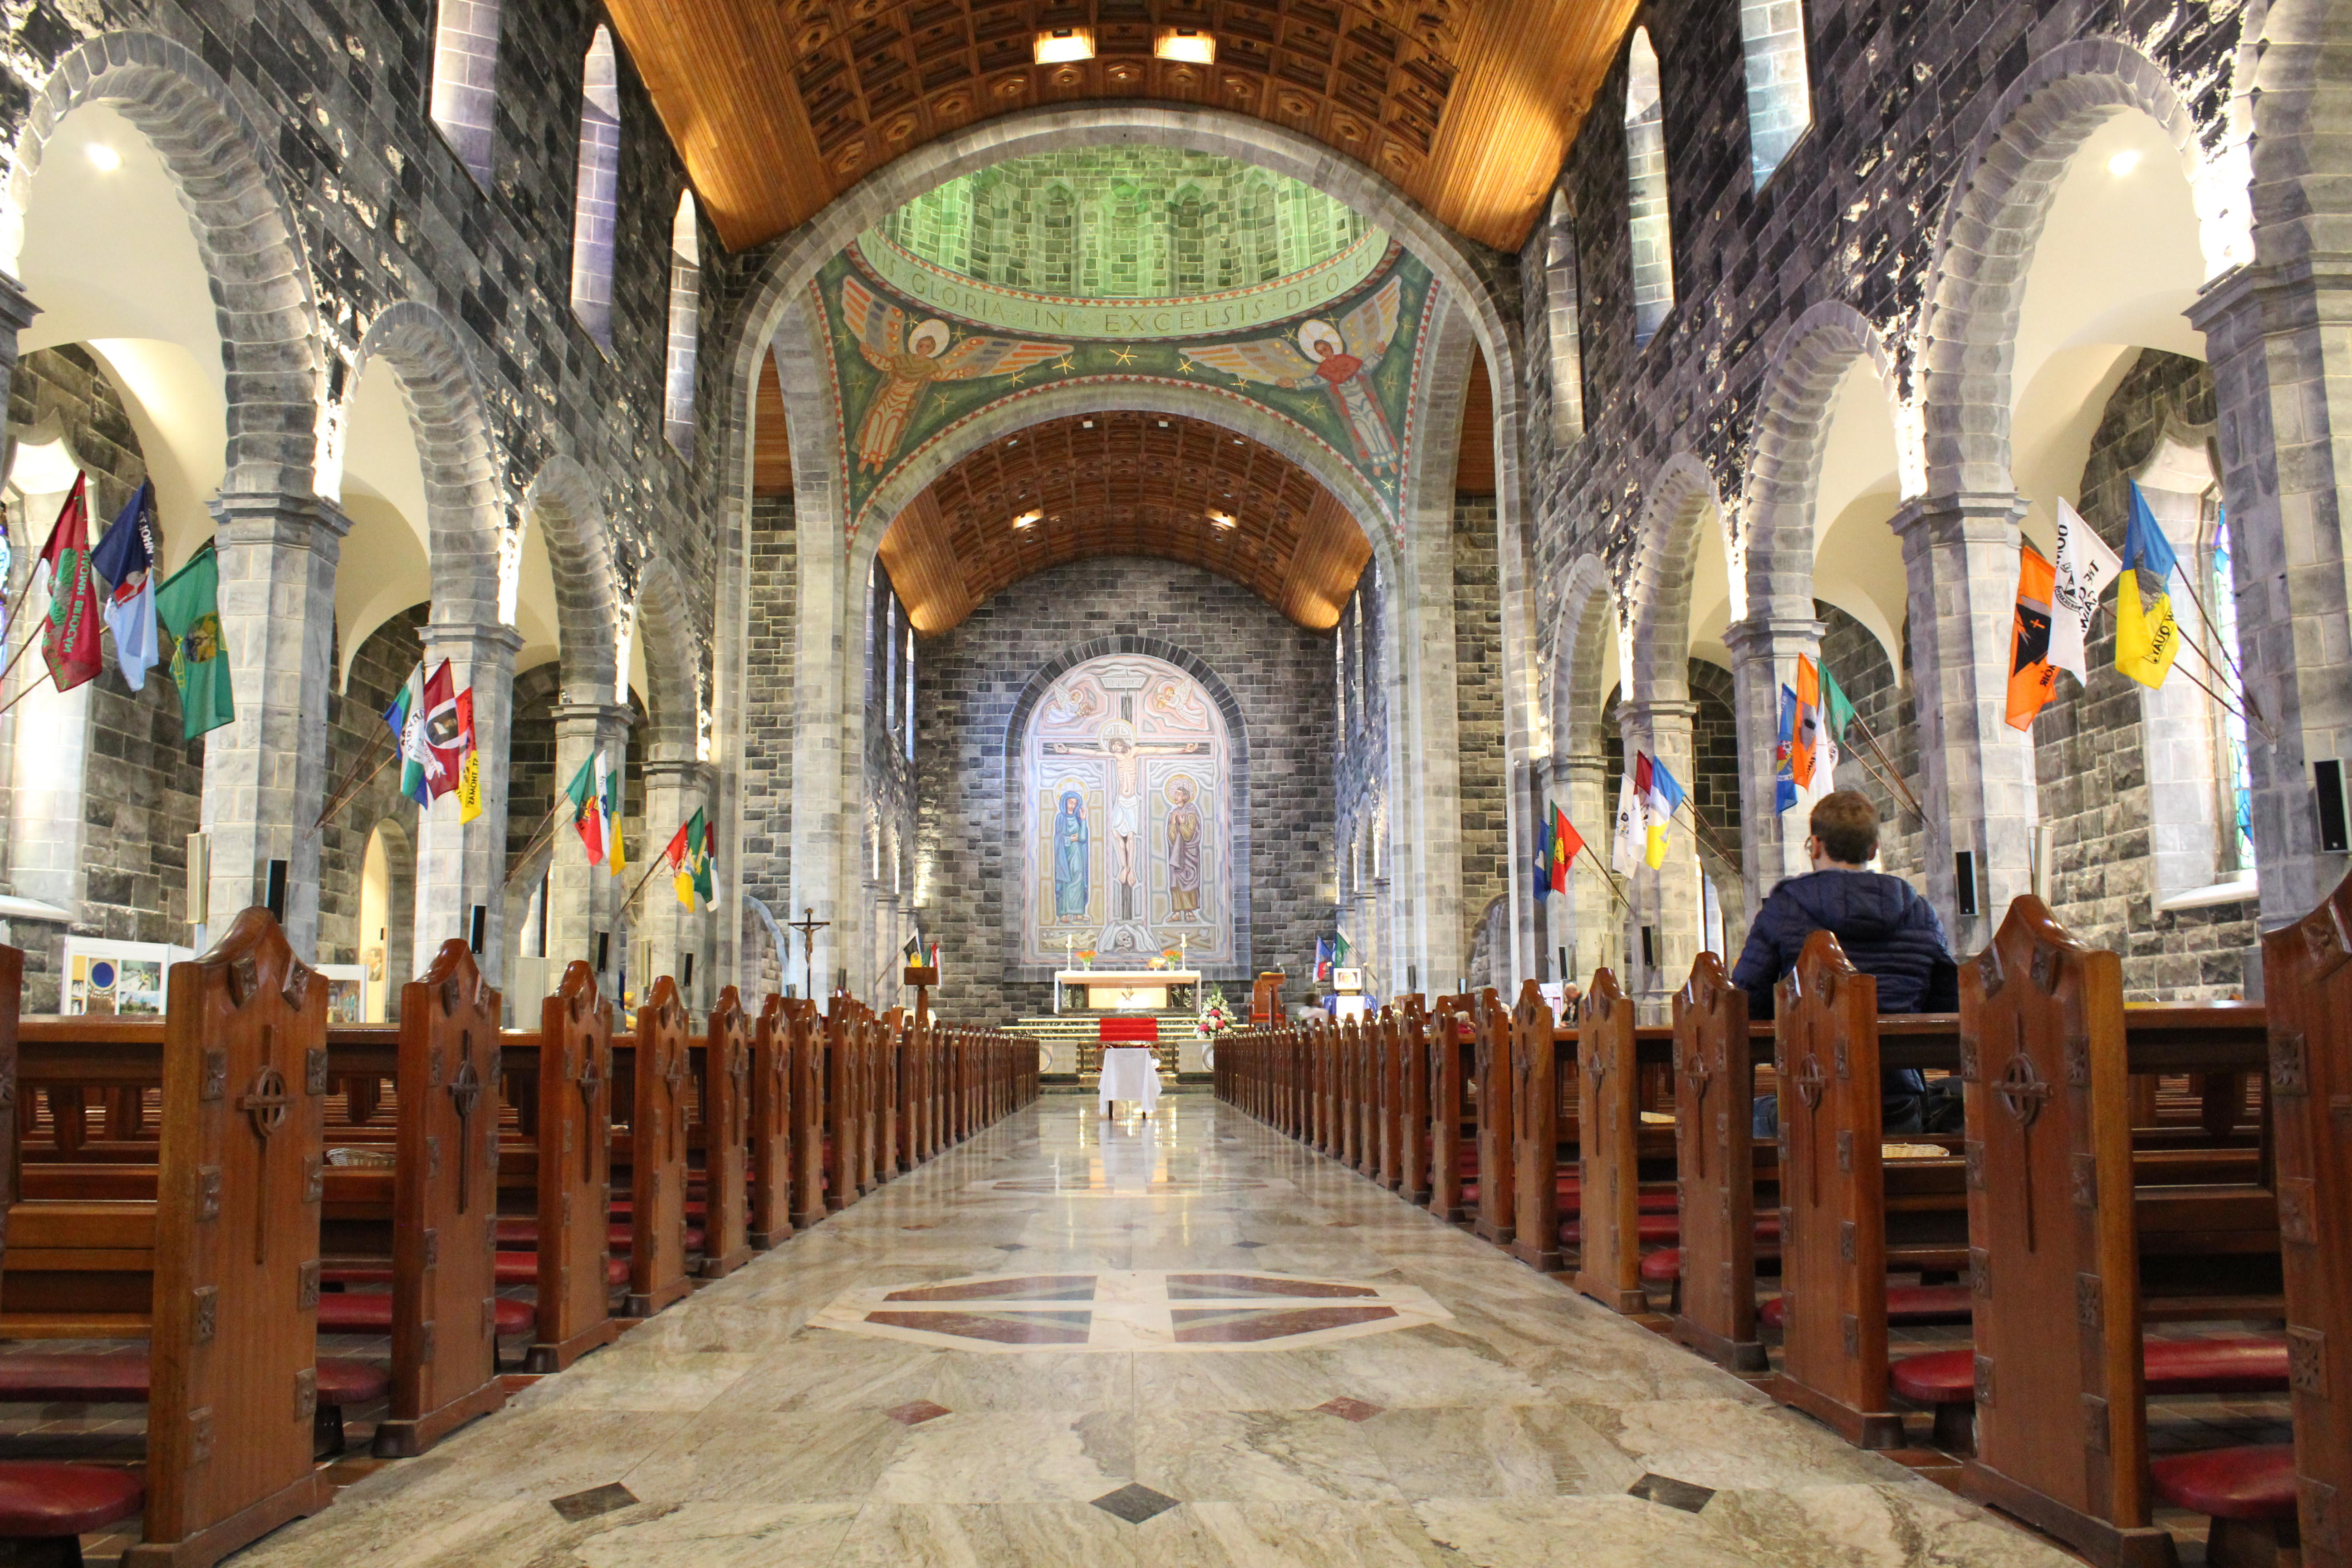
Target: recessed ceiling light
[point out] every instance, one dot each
(1186, 44)
(1222, 519)
(1087, 424)
(1027, 520)
(1163, 425)
(2125, 162)
(104, 156)
(1057, 45)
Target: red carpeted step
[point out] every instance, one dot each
(2254, 1483)
(41, 1502)
(2234, 1364)
(82, 1378)
(369, 1312)
(1907, 1304)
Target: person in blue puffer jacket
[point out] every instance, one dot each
(1887, 929)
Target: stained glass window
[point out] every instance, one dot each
(2236, 780)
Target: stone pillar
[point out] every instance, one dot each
(584, 902)
(1959, 556)
(1764, 653)
(266, 771)
(2277, 337)
(1596, 931)
(1665, 900)
(676, 787)
(1372, 908)
(462, 864)
(16, 313)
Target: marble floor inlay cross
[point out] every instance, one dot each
(1186, 1343)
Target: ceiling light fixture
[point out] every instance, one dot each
(1027, 521)
(104, 156)
(1186, 44)
(1222, 519)
(1058, 45)
(2124, 163)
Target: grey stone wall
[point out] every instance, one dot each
(766, 768)
(1479, 665)
(968, 682)
(1889, 707)
(357, 738)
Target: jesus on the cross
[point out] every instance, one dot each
(1117, 741)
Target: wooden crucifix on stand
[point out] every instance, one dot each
(808, 925)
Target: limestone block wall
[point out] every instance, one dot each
(358, 738)
(1479, 665)
(766, 765)
(1888, 706)
(968, 683)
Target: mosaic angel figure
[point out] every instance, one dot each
(1342, 358)
(914, 359)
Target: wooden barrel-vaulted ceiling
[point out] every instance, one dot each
(779, 106)
(1124, 483)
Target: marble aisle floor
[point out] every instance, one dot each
(1223, 1410)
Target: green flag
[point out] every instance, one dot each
(189, 607)
(1834, 699)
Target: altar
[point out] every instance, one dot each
(1126, 991)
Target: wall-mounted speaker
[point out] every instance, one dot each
(2327, 785)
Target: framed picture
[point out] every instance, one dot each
(1344, 980)
(104, 978)
(346, 989)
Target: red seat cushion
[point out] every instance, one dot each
(45, 1500)
(1940, 1377)
(2238, 1363)
(2256, 1482)
(1659, 1229)
(369, 1312)
(513, 1268)
(1913, 1304)
(1662, 1266)
(84, 1378)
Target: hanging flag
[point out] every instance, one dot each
(189, 607)
(1543, 860)
(1784, 775)
(1662, 796)
(443, 734)
(1625, 841)
(1322, 960)
(2147, 638)
(69, 646)
(609, 785)
(2083, 568)
(706, 854)
(588, 805)
(1804, 735)
(2030, 678)
(126, 559)
(1340, 947)
(1833, 703)
(690, 868)
(406, 719)
(469, 771)
(1565, 843)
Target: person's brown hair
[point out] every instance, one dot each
(1847, 824)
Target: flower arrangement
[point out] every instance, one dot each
(1216, 1015)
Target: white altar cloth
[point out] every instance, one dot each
(1129, 1073)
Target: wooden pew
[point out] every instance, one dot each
(2064, 1237)
(657, 1141)
(1497, 1218)
(1411, 1052)
(888, 1034)
(1450, 1051)
(570, 1059)
(769, 1219)
(812, 1075)
(723, 1130)
(1536, 1074)
(1609, 1130)
(1716, 1162)
(218, 1269)
(841, 1132)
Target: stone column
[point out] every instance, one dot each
(1665, 900)
(584, 902)
(266, 771)
(2276, 336)
(1596, 931)
(1764, 653)
(676, 786)
(1959, 556)
(16, 313)
(1372, 908)
(461, 864)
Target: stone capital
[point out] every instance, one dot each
(2275, 296)
(1764, 636)
(1988, 516)
(601, 715)
(677, 772)
(16, 313)
(471, 639)
(301, 521)
(1644, 713)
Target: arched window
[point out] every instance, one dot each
(685, 328)
(464, 81)
(1560, 302)
(1779, 98)
(595, 193)
(2234, 778)
(910, 706)
(1646, 184)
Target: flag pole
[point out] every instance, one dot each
(2213, 632)
(648, 877)
(1608, 878)
(531, 843)
(1707, 829)
(351, 794)
(1893, 775)
(337, 796)
(35, 685)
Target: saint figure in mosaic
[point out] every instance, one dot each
(1184, 851)
(1070, 858)
(1341, 359)
(913, 360)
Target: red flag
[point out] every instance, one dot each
(69, 645)
(1566, 843)
(445, 734)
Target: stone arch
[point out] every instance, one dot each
(1784, 468)
(563, 498)
(1665, 547)
(1985, 243)
(244, 228)
(673, 662)
(465, 501)
(1229, 710)
(1580, 633)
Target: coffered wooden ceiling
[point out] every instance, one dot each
(779, 106)
(1124, 484)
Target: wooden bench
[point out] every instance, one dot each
(657, 1061)
(722, 1133)
(769, 1158)
(1497, 1217)
(1450, 1053)
(564, 1205)
(1716, 1165)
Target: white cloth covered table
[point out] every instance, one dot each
(1129, 1073)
